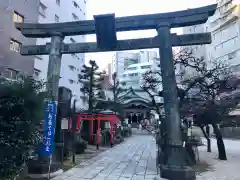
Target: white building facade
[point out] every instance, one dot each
(224, 26)
(54, 11)
(133, 75)
(122, 60)
(225, 29)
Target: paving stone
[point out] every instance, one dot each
(99, 178)
(150, 176)
(138, 177)
(117, 171)
(134, 159)
(124, 178)
(112, 177)
(72, 178)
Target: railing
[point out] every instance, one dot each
(230, 14)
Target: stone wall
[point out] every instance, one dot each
(231, 132)
(227, 132)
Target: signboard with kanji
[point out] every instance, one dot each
(49, 128)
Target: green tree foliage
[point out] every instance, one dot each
(114, 104)
(21, 105)
(91, 80)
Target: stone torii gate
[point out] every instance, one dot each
(105, 28)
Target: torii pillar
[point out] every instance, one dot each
(175, 167)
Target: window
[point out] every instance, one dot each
(11, 74)
(133, 82)
(71, 67)
(17, 17)
(58, 2)
(15, 45)
(232, 55)
(71, 81)
(132, 68)
(133, 74)
(218, 47)
(75, 4)
(75, 17)
(127, 62)
(42, 9)
(20, 77)
(145, 67)
(228, 43)
(56, 18)
(72, 40)
(36, 73)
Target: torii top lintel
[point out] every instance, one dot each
(141, 22)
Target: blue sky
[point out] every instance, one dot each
(134, 7)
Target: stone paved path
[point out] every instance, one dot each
(134, 159)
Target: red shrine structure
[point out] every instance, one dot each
(111, 117)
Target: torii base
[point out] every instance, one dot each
(177, 173)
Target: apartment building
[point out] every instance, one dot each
(122, 60)
(225, 29)
(133, 75)
(55, 11)
(12, 64)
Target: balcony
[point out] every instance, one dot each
(227, 16)
(227, 7)
(42, 9)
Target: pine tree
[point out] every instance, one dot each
(117, 89)
(91, 80)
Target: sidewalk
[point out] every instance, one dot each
(134, 159)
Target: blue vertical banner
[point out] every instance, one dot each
(50, 113)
